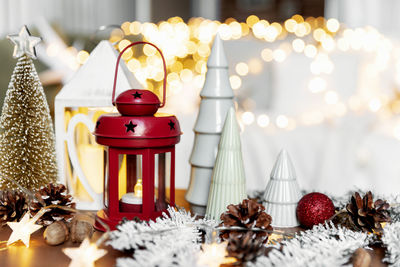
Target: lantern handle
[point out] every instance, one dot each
(164, 65)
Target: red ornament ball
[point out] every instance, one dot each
(314, 208)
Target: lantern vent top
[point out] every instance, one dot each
(135, 102)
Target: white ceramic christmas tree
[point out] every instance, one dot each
(282, 193)
(228, 185)
(216, 99)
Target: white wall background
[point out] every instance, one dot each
(74, 16)
(383, 15)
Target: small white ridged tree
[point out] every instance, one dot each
(228, 185)
(282, 193)
(216, 99)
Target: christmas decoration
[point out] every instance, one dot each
(228, 185)
(23, 229)
(314, 208)
(27, 149)
(216, 99)
(323, 245)
(85, 255)
(141, 151)
(13, 205)
(391, 240)
(81, 227)
(367, 215)
(245, 247)
(77, 106)
(214, 255)
(282, 193)
(247, 214)
(55, 194)
(24, 43)
(56, 233)
(170, 240)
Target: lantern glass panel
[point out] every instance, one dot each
(130, 186)
(162, 180)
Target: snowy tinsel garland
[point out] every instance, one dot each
(391, 239)
(175, 240)
(169, 241)
(324, 245)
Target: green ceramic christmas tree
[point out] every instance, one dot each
(228, 184)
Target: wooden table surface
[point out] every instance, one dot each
(40, 254)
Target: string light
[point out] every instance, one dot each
(298, 45)
(235, 82)
(279, 55)
(242, 69)
(331, 97)
(82, 57)
(214, 254)
(187, 46)
(267, 55)
(23, 229)
(248, 117)
(375, 104)
(317, 84)
(332, 25)
(263, 120)
(282, 121)
(85, 255)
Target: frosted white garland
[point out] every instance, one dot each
(391, 239)
(174, 240)
(324, 245)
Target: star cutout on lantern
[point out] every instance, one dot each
(130, 127)
(85, 255)
(137, 95)
(24, 43)
(23, 229)
(97, 124)
(171, 125)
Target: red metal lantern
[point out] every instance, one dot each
(140, 170)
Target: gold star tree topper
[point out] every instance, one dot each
(24, 43)
(85, 255)
(23, 229)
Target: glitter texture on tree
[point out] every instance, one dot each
(27, 143)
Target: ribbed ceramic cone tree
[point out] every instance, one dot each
(228, 185)
(282, 193)
(216, 99)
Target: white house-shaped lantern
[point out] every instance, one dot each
(77, 106)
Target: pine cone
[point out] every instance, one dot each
(13, 206)
(53, 194)
(367, 215)
(245, 247)
(248, 214)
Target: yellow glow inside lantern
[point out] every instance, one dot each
(138, 189)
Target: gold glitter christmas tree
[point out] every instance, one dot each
(27, 143)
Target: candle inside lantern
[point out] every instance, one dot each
(134, 197)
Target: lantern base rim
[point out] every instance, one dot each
(112, 222)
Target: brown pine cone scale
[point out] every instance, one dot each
(245, 247)
(367, 215)
(53, 194)
(248, 214)
(13, 205)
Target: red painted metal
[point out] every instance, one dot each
(137, 130)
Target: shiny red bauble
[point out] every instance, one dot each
(314, 208)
